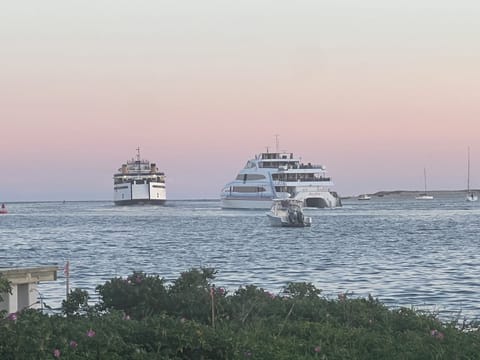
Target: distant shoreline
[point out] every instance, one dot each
(413, 192)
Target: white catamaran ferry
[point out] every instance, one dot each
(139, 182)
(279, 175)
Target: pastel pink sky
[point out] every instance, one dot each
(374, 91)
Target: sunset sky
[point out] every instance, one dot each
(375, 90)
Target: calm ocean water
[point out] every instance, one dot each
(403, 251)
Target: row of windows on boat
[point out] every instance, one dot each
(126, 187)
(133, 166)
(288, 165)
(283, 165)
(283, 177)
(143, 181)
(275, 155)
(283, 156)
(258, 189)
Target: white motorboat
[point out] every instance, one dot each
(139, 182)
(364, 197)
(288, 213)
(424, 197)
(279, 175)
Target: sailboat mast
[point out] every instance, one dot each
(425, 179)
(468, 170)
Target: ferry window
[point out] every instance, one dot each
(250, 177)
(248, 189)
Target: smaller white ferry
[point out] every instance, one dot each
(288, 213)
(139, 182)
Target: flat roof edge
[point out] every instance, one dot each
(30, 274)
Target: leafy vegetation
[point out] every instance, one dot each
(143, 317)
(5, 288)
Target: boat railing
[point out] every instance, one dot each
(279, 182)
(311, 166)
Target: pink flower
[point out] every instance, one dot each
(126, 317)
(56, 353)
(73, 344)
(271, 295)
(317, 349)
(12, 316)
(221, 291)
(91, 333)
(437, 334)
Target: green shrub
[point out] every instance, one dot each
(138, 296)
(76, 303)
(143, 318)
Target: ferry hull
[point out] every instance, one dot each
(140, 202)
(252, 204)
(131, 194)
(317, 199)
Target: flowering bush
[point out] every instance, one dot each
(137, 296)
(140, 317)
(76, 303)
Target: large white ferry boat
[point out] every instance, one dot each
(279, 175)
(139, 182)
